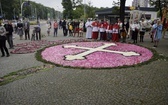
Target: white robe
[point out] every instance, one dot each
(88, 29)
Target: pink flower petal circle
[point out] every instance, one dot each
(97, 59)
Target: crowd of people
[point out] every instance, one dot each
(130, 30)
(21, 28)
(97, 29)
(114, 31)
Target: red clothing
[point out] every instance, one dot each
(105, 36)
(115, 36)
(105, 25)
(101, 25)
(166, 25)
(94, 35)
(110, 27)
(55, 25)
(95, 23)
(95, 30)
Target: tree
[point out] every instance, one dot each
(74, 9)
(67, 5)
(11, 8)
(122, 11)
(70, 7)
(158, 4)
(116, 3)
(76, 3)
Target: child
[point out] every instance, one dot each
(33, 35)
(81, 28)
(70, 29)
(49, 28)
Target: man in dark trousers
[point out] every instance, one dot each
(3, 41)
(26, 27)
(64, 27)
(9, 34)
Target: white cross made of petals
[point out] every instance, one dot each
(83, 55)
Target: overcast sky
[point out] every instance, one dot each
(96, 3)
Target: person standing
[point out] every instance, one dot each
(55, 25)
(120, 27)
(3, 41)
(135, 29)
(9, 34)
(27, 29)
(142, 29)
(48, 27)
(70, 27)
(60, 24)
(106, 22)
(165, 28)
(88, 26)
(20, 29)
(95, 30)
(81, 28)
(158, 33)
(38, 32)
(152, 31)
(102, 30)
(115, 32)
(64, 26)
(109, 32)
(76, 28)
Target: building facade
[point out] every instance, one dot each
(141, 3)
(112, 15)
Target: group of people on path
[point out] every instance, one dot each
(55, 26)
(7, 29)
(106, 30)
(73, 28)
(135, 30)
(96, 30)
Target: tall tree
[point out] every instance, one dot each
(158, 4)
(11, 8)
(116, 3)
(122, 11)
(67, 5)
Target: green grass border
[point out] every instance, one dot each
(155, 57)
(23, 73)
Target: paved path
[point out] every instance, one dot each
(144, 85)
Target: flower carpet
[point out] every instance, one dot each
(96, 54)
(33, 46)
(82, 53)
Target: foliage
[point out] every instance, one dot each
(12, 9)
(116, 3)
(155, 3)
(74, 9)
(122, 11)
(158, 4)
(20, 74)
(116, 10)
(68, 8)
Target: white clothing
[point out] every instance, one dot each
(102, 29)
(115, 31)
(81, 25)
(109, 30)
(135, 26)
(88, 26)
(95, 28)
(2, 31)
(142, 25)
(120, 25)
